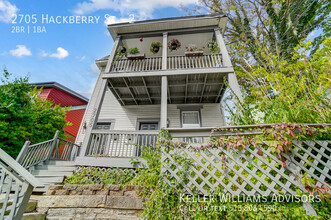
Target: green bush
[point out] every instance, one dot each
(94, 175)
(25, 116)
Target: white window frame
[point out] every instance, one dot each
(190, 125)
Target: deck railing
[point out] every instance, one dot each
(195, 62)
(173, 62)
(56, 148)
(16, 185)
(119, 143)
(141, 65)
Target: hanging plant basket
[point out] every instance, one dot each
(174, 44)
(154, 47)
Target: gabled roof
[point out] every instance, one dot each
(167, 24)
(60, 87)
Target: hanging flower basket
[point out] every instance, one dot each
(154, 47)
(174, 44)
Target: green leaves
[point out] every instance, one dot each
(24, 116)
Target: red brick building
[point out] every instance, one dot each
(65, 97)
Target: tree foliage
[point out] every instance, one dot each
(276, 25)
(24, 116)
(289, 92)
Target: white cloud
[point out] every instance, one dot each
(7, 11)
(142, 8)
(20, 51)
(43, 53)
(114, 20)
(60, 54)
(82, 58)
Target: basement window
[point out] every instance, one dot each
(190, 119)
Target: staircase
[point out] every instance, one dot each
(52, 172)
(49, 161)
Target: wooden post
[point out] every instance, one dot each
(23, 152)
(164, 84)
(164, 51)
(53, 144)
(164, 97)
(97, 97)
(232, 78)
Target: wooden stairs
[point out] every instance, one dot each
(52, 172)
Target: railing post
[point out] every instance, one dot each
(53, 144)
(23, 152)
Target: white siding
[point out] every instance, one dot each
(126, 116)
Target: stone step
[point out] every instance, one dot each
(33, 216)
(29, 208)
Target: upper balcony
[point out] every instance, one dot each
(191, 54)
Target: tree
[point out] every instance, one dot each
(276, 25)
(25, 116)
(289, 92)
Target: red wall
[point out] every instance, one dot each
(61, 98)
(75, 117)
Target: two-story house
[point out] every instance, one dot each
(178, 86)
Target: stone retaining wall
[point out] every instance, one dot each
(91, 202)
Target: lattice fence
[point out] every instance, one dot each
(250, 171)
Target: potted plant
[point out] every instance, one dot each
(213, 47)
(174, 44)
(154, 47)
(134, 54)
(192, 51)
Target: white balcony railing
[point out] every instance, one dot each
(119, 143)
(141, 65)
(195, 62)
(173, 62)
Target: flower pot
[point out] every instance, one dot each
(137, 56)
(156, 49)
(123, 50)
(173, 46)
(194, 53)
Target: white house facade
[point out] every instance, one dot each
(178, 86)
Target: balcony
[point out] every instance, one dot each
(173, 63)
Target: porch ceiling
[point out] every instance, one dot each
(188, 88)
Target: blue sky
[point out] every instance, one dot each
(62, 52)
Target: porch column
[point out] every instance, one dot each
(164, 84)
(95, 103)
(232, 78)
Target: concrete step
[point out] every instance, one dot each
(60, 172)
(60, 163)
(55, 168)
(47, 179)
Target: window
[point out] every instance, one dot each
(190, 119)
(103, 126)
(148, 126)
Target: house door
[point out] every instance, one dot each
(146, 139)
